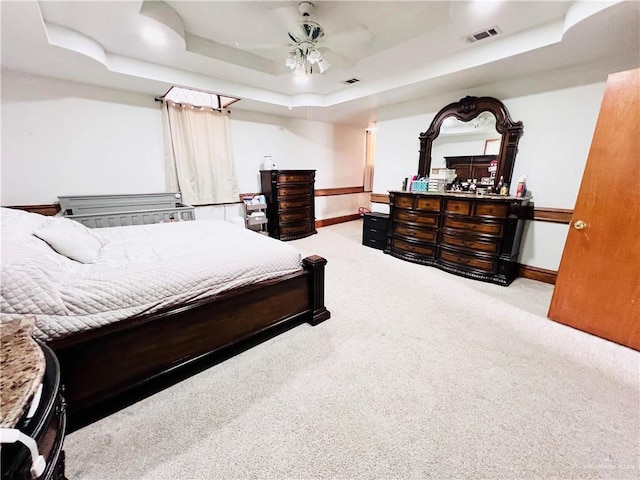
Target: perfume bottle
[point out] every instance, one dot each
(522, 187)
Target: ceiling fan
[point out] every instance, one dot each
(305, 35)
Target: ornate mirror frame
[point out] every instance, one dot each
(466, 110)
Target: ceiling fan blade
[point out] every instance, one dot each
(336, 59)
(265, 46)
(359, 34)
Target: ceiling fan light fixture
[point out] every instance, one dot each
(323, 65)
(304, 37)
(314, 56)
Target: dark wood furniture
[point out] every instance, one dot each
(47, 426)
(290, 202)
(104, 365)
(473, 236)
(466, 110)
(114, 365)
(470, 166)
(374, 230)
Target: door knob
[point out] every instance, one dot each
(579, 224)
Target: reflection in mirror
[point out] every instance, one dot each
(468, 147)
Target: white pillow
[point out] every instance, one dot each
(17, 222)
(72, 227)
(75, 243)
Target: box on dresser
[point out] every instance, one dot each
(290, 196)
(473, 236)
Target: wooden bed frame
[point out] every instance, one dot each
(100, 366)
(113, 366)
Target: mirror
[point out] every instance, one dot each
(470, 148)
(460, 119)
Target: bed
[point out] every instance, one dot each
(125, 306)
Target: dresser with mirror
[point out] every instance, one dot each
(472, 235)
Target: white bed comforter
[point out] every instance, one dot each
(140, 270)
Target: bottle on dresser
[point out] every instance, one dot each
(522, 187)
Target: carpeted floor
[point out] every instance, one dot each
(418, 374)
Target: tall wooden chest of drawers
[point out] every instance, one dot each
(472, 236)
(290, 202)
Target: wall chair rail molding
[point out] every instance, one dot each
(326, 192)
(553, 215)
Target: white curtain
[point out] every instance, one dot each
(198, 157)
(370, 155)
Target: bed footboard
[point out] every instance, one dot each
(101, 366)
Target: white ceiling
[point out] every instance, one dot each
(402, 51)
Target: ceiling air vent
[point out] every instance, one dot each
(481, 35)
(350, 81)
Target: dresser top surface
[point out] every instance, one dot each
(467, 196)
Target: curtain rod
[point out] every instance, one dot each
(162, 100)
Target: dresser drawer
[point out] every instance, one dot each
(293, 190)
(374, 233)
(461, 224)
(293, 215)
(403, 201)
(427, 204)
(457, 206)
(293, 203)
(489, 265)
(294, 177)
(488, 209)
(379, 243)
(424, 250)
(412, 217)
(471, 243)
(296, 228)
(418, 234)
(376, 220)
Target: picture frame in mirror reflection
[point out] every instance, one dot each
(492, 147)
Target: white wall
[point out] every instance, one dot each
(336, 152)
(63, 138)
(67, 138)
(558, 127)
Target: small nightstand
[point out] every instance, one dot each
(374, 230)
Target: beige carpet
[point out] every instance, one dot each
(418, 374)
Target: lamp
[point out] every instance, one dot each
(305, 54)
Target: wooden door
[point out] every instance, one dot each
(598, 284)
